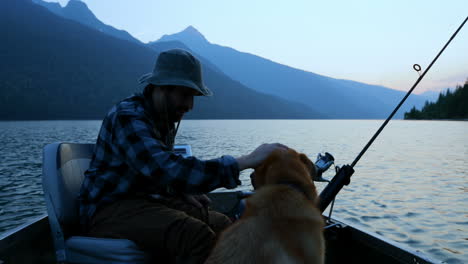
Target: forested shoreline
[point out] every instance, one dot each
(451, 105)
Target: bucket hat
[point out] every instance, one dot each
(179, 68)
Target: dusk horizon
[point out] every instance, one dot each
(361, 42)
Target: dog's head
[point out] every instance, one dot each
(286, 166)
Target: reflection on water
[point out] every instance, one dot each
(411, 186)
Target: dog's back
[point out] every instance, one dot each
(281, 223)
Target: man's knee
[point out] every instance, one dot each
(190, 237)
(218, 221)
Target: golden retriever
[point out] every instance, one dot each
(281, 222)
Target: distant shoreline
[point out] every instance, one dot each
(186, 119)
(456, 119)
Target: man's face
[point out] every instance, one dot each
(179, 101)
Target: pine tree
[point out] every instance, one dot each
(449, 105)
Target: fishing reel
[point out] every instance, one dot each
(322, 164)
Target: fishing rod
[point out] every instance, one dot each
(343, 175)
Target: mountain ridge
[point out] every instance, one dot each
(340, 98)
(334, 98)
(190, 31)
(78, 11)
(83, 72)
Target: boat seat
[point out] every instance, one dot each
(63, 170)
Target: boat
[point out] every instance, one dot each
(33, 242)
(345, 243)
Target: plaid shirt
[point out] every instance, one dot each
(130, 159)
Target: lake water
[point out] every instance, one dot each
(411, 186)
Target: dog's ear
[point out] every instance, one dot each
(309, 165)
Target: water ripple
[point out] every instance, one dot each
(411, 186)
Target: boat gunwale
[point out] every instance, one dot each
(380, 244)
(18, 234)
(392, 248)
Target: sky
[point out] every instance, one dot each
(375, 42)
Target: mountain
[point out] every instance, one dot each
(78, 11)
(52, 6)
(56, 68)
(432, 96)
(335, 97)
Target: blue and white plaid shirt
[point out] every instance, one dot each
(130, 159)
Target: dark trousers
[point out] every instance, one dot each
(171, 230)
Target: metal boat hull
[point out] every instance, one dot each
(32, 242)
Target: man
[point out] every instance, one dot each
(133, 160)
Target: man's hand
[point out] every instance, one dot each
(257, 156)
(199, 201)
